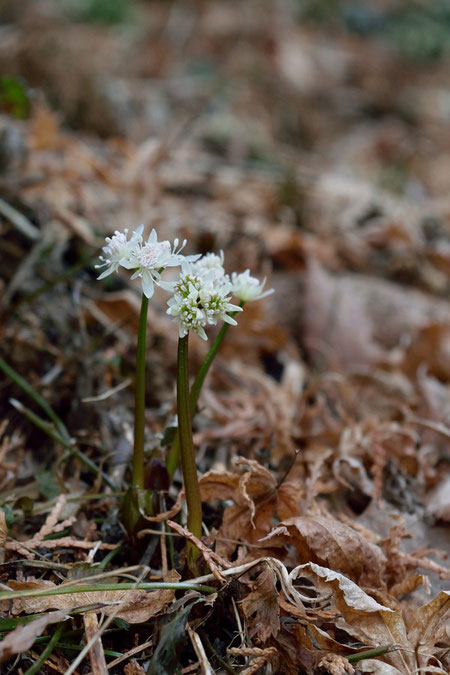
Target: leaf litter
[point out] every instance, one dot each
(322, 431)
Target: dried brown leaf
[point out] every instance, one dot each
(379, 668)
(261, 606)
(363, 617)
(257, 498)
(334, 545)
(138, 607)
(23, 637)
(429, 626)
(336, 323)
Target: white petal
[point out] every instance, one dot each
(147, 284)
(106, 273)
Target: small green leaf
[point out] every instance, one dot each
(14, 97)
(48, 487)
(166, 658)
(122, 624)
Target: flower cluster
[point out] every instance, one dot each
(201, 296)
(148, 259)
(203, 291)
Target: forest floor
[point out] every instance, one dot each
(310, 141)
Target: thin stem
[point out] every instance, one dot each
(36, 667)
(91, 588)
(173, 457)
(190, 478)
(139, 400)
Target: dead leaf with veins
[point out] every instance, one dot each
(261, 607)
(333, 544)
(257, 499)
(138, 605)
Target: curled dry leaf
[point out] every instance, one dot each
(335, 545)
(256, 497)
(261, 606)
(430, 625)
(417, 634)
(138, 606)
(362, 616)
(22, 637)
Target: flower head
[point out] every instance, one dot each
(120, 251)
(151, 258)
(148, 259)
(199, 300)
(248, 288)
(211, 263)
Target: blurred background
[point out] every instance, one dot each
(308, 139)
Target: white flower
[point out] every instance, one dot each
(199, 300)
(211, 263)
(248, 288)
(151, 258)
(215, 300)
(186, 311)
(120, 250)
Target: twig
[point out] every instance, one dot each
(132, 652)
(200, 651)
(19, 221)
(108, 393)
(96, 654)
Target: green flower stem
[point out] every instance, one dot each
(139, 400)
(91, 588)
(36, 667)
(173, 457)
(190, 478)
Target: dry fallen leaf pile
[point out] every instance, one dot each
(310, 142)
